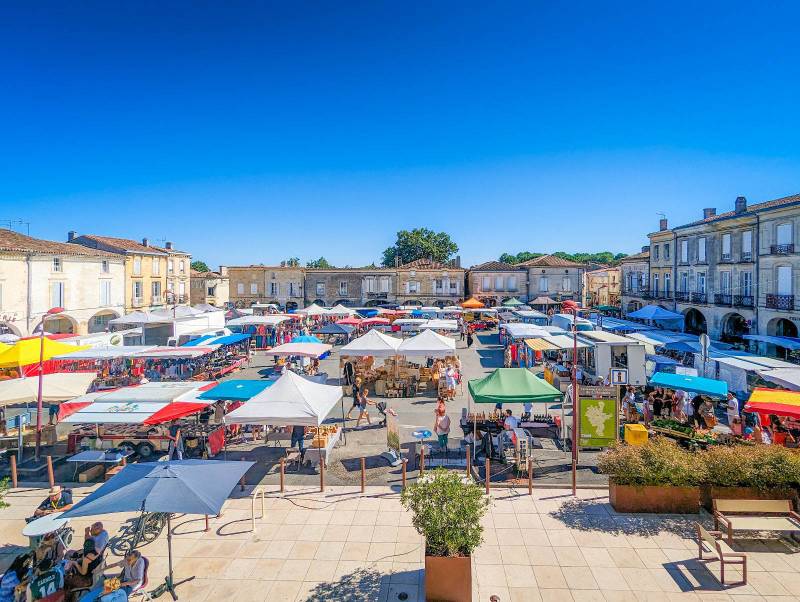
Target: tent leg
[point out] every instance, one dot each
(344, 422)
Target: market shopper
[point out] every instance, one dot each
(733, 407)
(356, 392)
(364, 401)
(175, 441)
(441, 427)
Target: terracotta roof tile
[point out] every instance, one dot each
(16, 242)
(551, 261)
(121, 244)
(751, 209)
(427, 264)
(637, 257)
(495, 266)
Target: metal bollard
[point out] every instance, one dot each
(283, 473)
(404, 472)
(322, 476)
(207, 527)
(530, 476)
(241, 481)
(469, 460)
(50, 476)
(13, 460)
(488, 471)
(422, 460)
(363, 475)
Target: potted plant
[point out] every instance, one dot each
(658, 477)
(750, 472)
(447, 510)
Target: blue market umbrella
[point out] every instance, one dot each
(654, 312)
(305, 338)
(184, 486)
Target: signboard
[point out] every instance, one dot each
(598, 422)
(586, 391)
(393, 433)
(619, 376)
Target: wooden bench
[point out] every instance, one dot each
(721, 550)
(755, 515)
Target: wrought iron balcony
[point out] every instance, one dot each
(781, 249)
(723, 300)
(743, 300)
(682, 296)
(699, 298)
(726, 258)
(747, 256)
(784, 302)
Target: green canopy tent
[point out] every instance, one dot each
(513, 302)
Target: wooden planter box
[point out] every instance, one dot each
(712, 492)
(448, 579)
(656, 499)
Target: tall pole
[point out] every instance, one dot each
(39, 393)
(574, 400)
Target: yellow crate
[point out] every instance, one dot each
(635, 434)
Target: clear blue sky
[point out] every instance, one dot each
(252, 132)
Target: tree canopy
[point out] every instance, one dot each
(200, 266)
(292, 262)
(420, 243)
(320, 263)
(601, 257)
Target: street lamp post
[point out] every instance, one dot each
(50, 312)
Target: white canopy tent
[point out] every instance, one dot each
(373, 343)
(437, 324)
(55, 387)
(179, 311)
(341, 310)
(258, 321)
(427, 344)
(525, 331)
(291, 400)
(106, 352)
(142, 317)
(314, 310)
(785, 377)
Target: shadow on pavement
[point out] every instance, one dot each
(368, 584)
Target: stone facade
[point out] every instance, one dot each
(662, 257)
(179, 273)
(494, 282)
(634, 276)
(211, 288)
(602, 287)
(426, 282)
(554, 277)
(353, 287)
(265, 284)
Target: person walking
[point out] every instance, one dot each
(356, 390)
(175, 441)
(441, 426)
(362, 406)
(733, 407)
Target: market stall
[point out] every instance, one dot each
(266, 330)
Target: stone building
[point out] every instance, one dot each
(602, 287)
(37, 275)
(554, 277)
(353, 287)
(250, 284)
(427, 282)
(210, 288)
(178, 274)
(662, 259)
(493, 282)
(635, 278)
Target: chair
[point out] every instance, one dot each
(722, 552)
(142, 589)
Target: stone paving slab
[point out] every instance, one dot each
(341, 545)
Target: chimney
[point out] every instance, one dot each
(709, 212)
(168, 246)
(458, 261)
(663, 224)
(741, 204)
(396, 261)
(646, 249)
(71, 235)
(145, 242)
(283, 264)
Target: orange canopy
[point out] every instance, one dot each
(774, 401)
(472, 303)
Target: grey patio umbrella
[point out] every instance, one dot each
(184, 486)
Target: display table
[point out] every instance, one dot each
(97, 456)
(313, 453)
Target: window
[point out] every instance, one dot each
(369, 285)
(701, 283)
(543, 286)
(181, 288)
(254, 288)
(453, 286)
(240, 288)
(211, 290)
(155, 289)
(701, 249)
(156, 266)
(384, 284)
(684, 282)
(104, 266)
(105, 293)
(655, 284)
(566, 285)
(655, 252)
(438, 285)
(666, 250)
(667, 281)
(747, 245)
(726, 246)
(413, 286)
(343, 287)
(629, 280)
(511, 283)
(57, 267)
(784, 234)
(746, 284)
(137, 266)
(273, 289)
(293, 289)
(486, 283)
(784, 280)
(57, 294)
(498, 283)
(170, 266)
(183, 266)
(725, 283)
(320, 289)
(685, 251)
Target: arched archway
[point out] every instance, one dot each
(345, 302)
(319, 302)
(414, 302)
(633, 306)
(781, 327)
(694, 322)
(374, 302)
(291, 305)
(734, 327)
(9, 328)
(441, 303)
(61, 324)
(99, 321)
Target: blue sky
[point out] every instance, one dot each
(252, 132)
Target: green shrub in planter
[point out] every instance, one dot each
(447, 511)
(660, 461)
(761, 466)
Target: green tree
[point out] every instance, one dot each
(293, 262)
(420, 243)
(519, 257)
(320, 263)
(200, 266)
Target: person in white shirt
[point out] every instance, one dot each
(733, 407)
(511, 422)
(527, 409)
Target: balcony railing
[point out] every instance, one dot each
(699, 298)
(743, 300)
(634, 292)
(157, 300)
(723, 299)
(747, 256)
(781, 249)
(682, 296)
(725, 258)
(785, 302)
(137, 301)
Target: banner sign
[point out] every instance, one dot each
(598, 422)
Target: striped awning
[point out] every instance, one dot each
(541, 345)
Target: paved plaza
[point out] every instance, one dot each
(341, 545)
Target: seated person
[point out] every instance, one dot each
(98, 537)
(46, 580)
(15, 575)
(132, 575)
(78, 571)
(510, 422)
(50, 548)
(58, 500)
